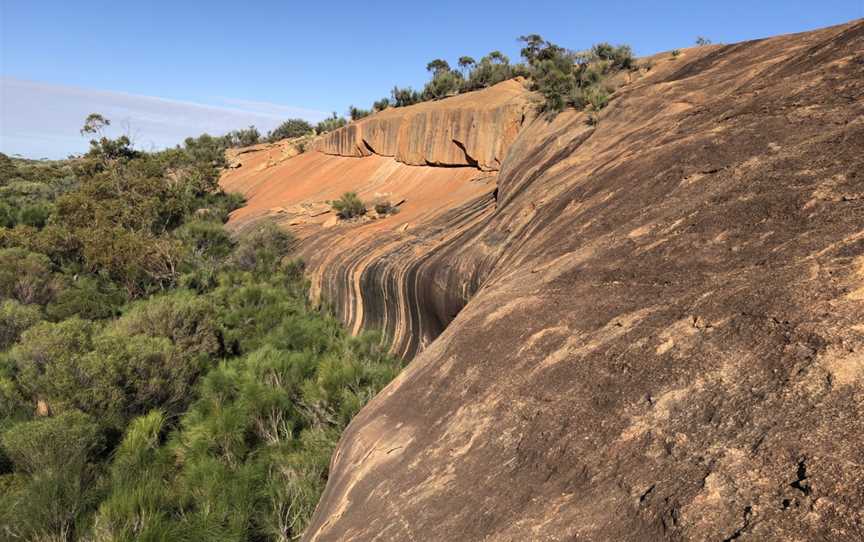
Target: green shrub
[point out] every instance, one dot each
(187, 320)
(54, 457)
(261, 248)
(205, 240)
(491, 70)
(619, 57)
(107, 374)
(356, 113)
(14, 405)
(242, 138)
(569, 79)
(403, 97)
(384, 207)
(676, 53)
(250, 310)
(334, 122)
(8, 218)
(443, 84)
(15, 318)
(139, 504)
(26, 276)
(291, 128)
(381, 104)
(348, 206)
(89, 296)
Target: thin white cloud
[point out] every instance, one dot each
(42, 120)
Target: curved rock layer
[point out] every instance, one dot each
(371, 270)
(473, 129)
(661, 325)
(374, 270)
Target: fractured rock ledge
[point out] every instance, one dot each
(473, 129)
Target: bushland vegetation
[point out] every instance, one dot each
(565, 78)
(159, 378)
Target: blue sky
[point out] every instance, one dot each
(164, 70)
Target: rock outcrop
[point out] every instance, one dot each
(473, 129)
(647, 329)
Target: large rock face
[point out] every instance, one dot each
(652, 330)
(473, 129)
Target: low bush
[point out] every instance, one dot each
(384, 207)
(88, 296)
(291, 128)
(26, 276)
(348, 206)
(331, 123)
(567, 79)
(55, 462)
(15, 319)
(243, 137)
(356, 113)
(34, 215)
(261, 248)
(402, 97)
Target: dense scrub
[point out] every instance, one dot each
(565, 78)
(159, 379)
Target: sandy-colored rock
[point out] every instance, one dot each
(473, 129)
(651, 329)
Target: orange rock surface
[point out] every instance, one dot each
(473, 129)
(645, 329)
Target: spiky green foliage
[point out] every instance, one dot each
(56, 477)
(349, 206)
(160, 379)
(568, 79)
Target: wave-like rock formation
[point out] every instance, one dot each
(473, 129)
(647, 329)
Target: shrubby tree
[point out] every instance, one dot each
(490, 70)
(35, 215)
(15, 318)
(242, 138)
(91, 297)
(331, 123)
(289, 129)
(356, 113)
(438, 66)
(261, 248)
(348, 206)
(402, 97)
(572, 79)
(26, 276)
(55, 458)
(8, 170)
(466, 63)
(443, 84)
